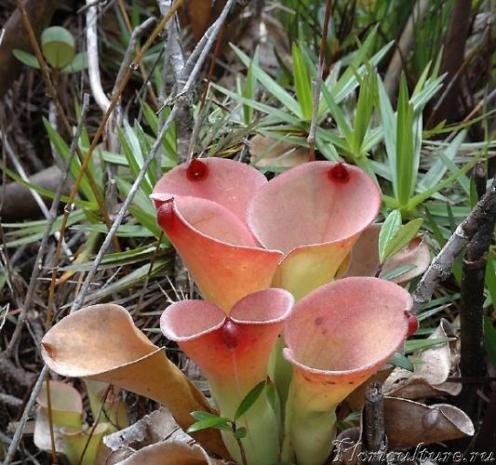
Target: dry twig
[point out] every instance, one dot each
(440, 268)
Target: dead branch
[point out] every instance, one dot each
(440, 268)
(374, 436)
(471, 311)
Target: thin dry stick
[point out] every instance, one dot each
(200, 118)
(149, 86)
(440, 268)
(210, 34)
(131, 50)
(93, 58)
(52, 216)
(317, 84)
(126, 62)
(374, 436)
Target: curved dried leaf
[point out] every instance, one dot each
(410, 423)
(170, 452)
(433, 366)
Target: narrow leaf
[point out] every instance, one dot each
(302, 83)
(208, 420)
(404, 235)
(389, 229)
(399, 360)
(249, 399)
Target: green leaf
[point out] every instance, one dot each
(339, 117)
(389, 229)
(75, 166)
(436, 231)
(133, 279)
(420, 198)
(302, 83)
(364, 110)
(490, 339)
(399, 360)
(208, 420)
(250, 399)
(405, 146)
(473, 197)
(404, 235)
(490, 278)
(79, 63)
(58, 46)
(26, 58)
(414, 345)
(273, 397)
(388, 120)
(277, 114)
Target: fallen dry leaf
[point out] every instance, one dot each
(410, 423)
(160, 441)
(432, 367)
(152, 428)
(170, 453)
(101, 342)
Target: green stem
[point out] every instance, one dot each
(310, 425)
(261, 443)
(280, 371)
